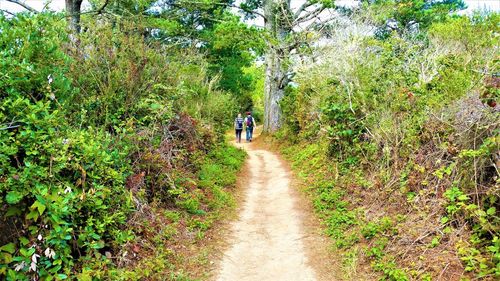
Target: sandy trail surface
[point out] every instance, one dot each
(267, 241)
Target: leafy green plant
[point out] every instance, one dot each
(402, 123)
(371, 229)
(85, 154)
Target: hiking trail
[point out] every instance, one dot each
(270, 241)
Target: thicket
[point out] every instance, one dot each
(111, 148)
(398, 141)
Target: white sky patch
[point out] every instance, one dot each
(58, 5)
(481, 5)
(472, 5)
(53, 5)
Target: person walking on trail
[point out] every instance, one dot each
(249, 124)
(238, 127)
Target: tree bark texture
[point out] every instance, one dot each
(73, 10)
(276, 13)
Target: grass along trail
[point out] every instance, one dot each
(267, 241)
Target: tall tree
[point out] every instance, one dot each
(73, 9)
(228, 44)
(287, 26)
(231, 46)
(409, 15)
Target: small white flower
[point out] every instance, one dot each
(52, 96)
(49, 253)
(34, 257)
(65, 141)
(20, 266)
(32, 267)
(50, 79)
(67, 190)
(39, 237)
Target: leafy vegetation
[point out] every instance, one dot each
(113, 160)
(397, 138)
(111, 146)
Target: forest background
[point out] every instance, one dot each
(113, 151)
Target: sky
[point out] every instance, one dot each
(58, 5)
(472, 5)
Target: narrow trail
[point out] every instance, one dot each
(268, 239)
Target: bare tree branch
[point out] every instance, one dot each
(310, 15)
(7, 12)
(227, 5)
(252, 12)
(100, 10)
(12, 125)
(24, 5)
(321, 23)
(286, 11)
(302, 8)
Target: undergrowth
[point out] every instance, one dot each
(105, 174)
(402, 161)
(167, 239)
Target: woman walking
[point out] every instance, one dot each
(238, 127)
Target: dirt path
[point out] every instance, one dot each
(268, 240)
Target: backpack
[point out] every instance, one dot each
(249, 121)
(239, 123)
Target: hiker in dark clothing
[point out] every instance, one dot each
(238, 127)
(249, 124)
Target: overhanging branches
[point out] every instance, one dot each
(24, 5)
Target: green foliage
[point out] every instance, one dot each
(94, 130)
(373, 228)
(257, 74)
(63, 185)
(344, 130)
(391, 272)
(232, 48)
(403, 124)
(485, 264)
(229, 45)
(481, 255)
(471, 33)
(220, 172)
(408, 12)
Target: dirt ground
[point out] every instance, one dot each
(276, 236)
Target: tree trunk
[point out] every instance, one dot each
(276, 78)
(274, 91)
(73, 10)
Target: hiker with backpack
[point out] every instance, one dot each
(249, 124)
(238, 127)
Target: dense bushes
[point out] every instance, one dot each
(59, 184)
(91, 131)
(405, 142)
(167, 230)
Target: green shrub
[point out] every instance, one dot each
(404, 123)
(84, 154)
